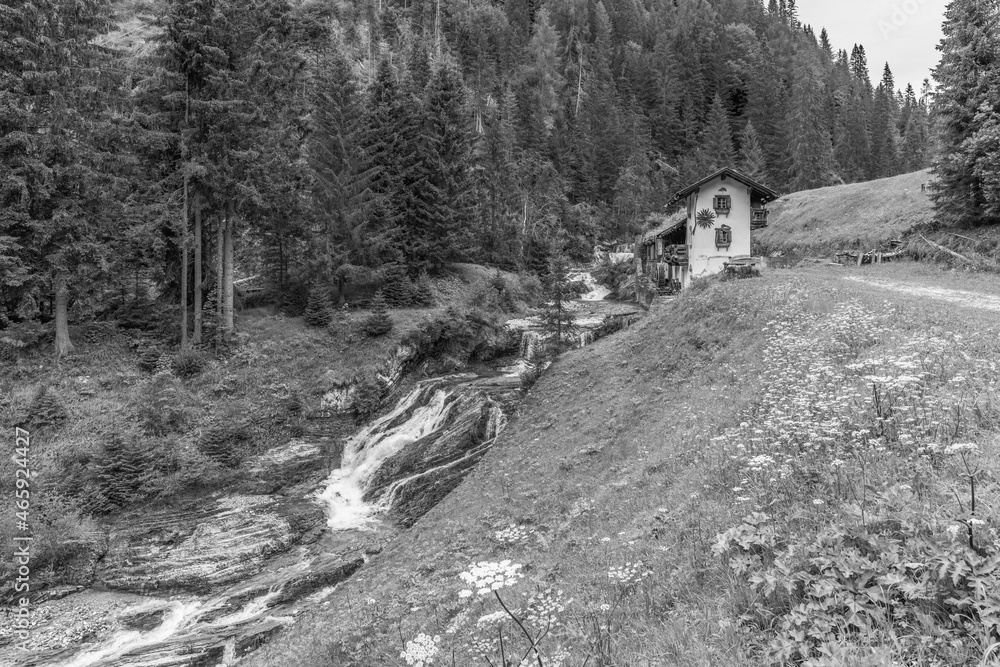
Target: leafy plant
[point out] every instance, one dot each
(189, 363)
(223, 444)
(45, 410)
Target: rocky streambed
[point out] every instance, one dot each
(207, 582)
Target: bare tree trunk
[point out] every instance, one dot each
(218, 278)
(63, 344)
(196, 338)
(638, 267)
(184, 233)
(184, 271)
(579, 82)
(227, 269)
(437, 29)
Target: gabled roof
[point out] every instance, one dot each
(765, 192)
(672, 223)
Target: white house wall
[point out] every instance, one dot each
(704, 258)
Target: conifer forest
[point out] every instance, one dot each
(328, 141)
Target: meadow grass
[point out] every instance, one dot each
(775, 471)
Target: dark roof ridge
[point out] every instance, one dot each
(729, 171)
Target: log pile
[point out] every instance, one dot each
(873, 256)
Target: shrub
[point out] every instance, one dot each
(188, 363)
(141, 314)
(317, 312)
(161, 405)
(23, 338)
(149, 359)
(367, 398)
(379, 322)
(223, 444)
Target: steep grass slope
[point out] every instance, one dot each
(842, 217)
(684, 483)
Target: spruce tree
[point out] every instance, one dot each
(318, 312)
(717, 143)
(558, 319)
(379, 322)
(811, 148)
(348, 233)
(825, 45)
(447, 142)
(966, 75)
(753, 161)
(59, 154)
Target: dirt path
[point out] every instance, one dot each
(962, 298)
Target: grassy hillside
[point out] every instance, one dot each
(762, 471)
(844, 217)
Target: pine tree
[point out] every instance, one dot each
(859, 68)
(349, 235)
(59, 156)
(825, 45)
(398, 290)
(444, 234)
(884, 152)
(557, 319)
(379, 322)
(966, 75)
(717, 144)
(753, 161)
(811, 147)
(318, 312)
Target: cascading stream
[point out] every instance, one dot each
(420, 414)
(426, 443)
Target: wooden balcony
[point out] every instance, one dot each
(758, 218)
(675, 254)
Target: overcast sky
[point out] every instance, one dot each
(904, 33)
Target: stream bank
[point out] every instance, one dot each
(210, 581)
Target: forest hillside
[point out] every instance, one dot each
(330, 145)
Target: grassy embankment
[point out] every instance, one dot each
(866, 216)
(761, 472)
(108, 434)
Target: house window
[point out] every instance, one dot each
(723, 236)
(722, 204)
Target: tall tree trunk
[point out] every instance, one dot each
(638, 269)
(196, 337)
(227, 269)
(218, 278)
(63, 344)
(184, 270)
(184, 228)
